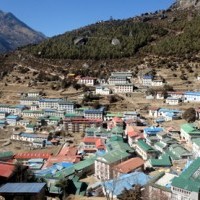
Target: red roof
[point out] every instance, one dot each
(117, 120)
(31, 155)
(6, 169)
(132, 132)
(90, 140)
(98, 142)
(129, 165)
(60, 158)
(68, 151)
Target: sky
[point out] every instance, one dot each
(53, 17)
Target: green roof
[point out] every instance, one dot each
(159, 144)
(178, 150)
(6, 154)
(33, 111)
(117, 130)
(31, 125)
(114, 156)
(196, 141)
(73, 115)
(189, 179)
(115, 145)
(54, 118)
(143, 145)
(120, 115)
(163, 161)
(84, 164)
(64, 173)
(190, 129)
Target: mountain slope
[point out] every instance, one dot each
(171, 32)
(14, 33)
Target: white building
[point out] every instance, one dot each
(66, 106)
(172, 101)
(147, 80)
(49, 103)
(196, 147)
(29, 100)
(127, 74)
(113, 80)
(94, 114)
(157, 83)
(192, 97)
(90, 81)
(102, 90)
(124, 88)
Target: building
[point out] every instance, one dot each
(157, 82)
(94, 113)
(159, 186)
(128, 166)
(192, 97)
(113, 80)
(196, 147)
(127, 74)
(90, 81)
(147, 80)
(12, 120)
(49, 103)
(187, 185)
(123, 88)
(145, 150)
(78, 125)
(105, 163)
(29, 100)
(102, 90)
(32, 191)
(116, 152)
(92, 144)
(33, 113)
(66, 106)
(189, 131)
(172, 101)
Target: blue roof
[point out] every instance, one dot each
(152, 130)
(192, 93)
(93, 111)
(53, 169)
(12, 117)
(147, 77)
(29, 135)
(169, 110)
(51, 100)
(126, 181)
(22, 188)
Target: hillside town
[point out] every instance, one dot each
(58, 147)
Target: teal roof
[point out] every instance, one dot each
(84, 164)
(163, 161)
(120, 115)
(54, 118)
(6, 154)
(190, 178)
(73, 115)
(190, 129)
(114, 156)
(143, 145)
(178, 151)
(196, 141)
(117, 130)
(115, 145)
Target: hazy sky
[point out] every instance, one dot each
(54, 17)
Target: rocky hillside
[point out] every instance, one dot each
(164, 33)
(14, 33)
(188, 3)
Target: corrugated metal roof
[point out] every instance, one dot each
(28, 188)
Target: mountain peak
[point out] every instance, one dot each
(15, 33)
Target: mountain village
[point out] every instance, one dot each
(63, 148)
